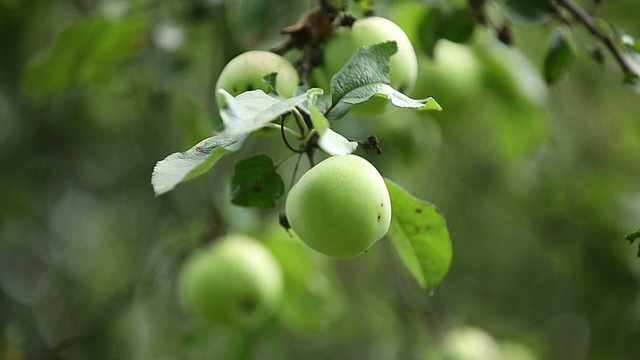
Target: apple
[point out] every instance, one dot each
(365, 32)
(453, 76)
(470, 343)
(233, 282)
(245, 72)
(340, 207)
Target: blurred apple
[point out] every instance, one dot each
(234, 282)
(470, 343)
(453, 76)
(246, 71)
(365, 32)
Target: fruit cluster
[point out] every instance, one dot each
(340, 207)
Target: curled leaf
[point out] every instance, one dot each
(183, 166)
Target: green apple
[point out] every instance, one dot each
(245, 72)
(340, 207)
(234, 282)
(364, 32)
(470, 343)
(453, 76)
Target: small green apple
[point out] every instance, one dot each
(453, 76)
(365, 32)
(340, 207)
(234, 282)
(470, 343)
(245, 72)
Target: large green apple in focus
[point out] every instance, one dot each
(365, 32)
(234, 282)
(245, 72)
(340, 207)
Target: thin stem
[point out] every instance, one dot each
(306, 68)
(284, 137)
(295, 171)
(310, 135)
(301, 123)
(586, 20)
(285, 129)
(284, 160)
(312, 161)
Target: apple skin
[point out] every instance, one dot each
(470, 343)
(245, 72)
(453, 77)
(365, 32)
(340, 207)
(233, 282)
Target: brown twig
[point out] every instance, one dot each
(586, 20)
(310, 30)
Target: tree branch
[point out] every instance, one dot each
(586, 20)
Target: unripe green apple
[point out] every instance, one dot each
(453, 77)
(245, 72)
(340, 207)
(364, 32)
(234, 282)
(470, 343)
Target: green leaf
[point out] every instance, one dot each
(180, 167)
(529, 11)
(236, 111)
(632, 81)
(256, 183)
(271, 79)
(87, 51)
(397, 98)
(365, 75)
(116, 45)
(428, 29)
(633, 237)
(420, 235)
(367, 65)
(457, 26)
(329, 141)
(320, 123)
(316, 99)
(252, 110)
(241, 115)
(604, 26)
(333, 143)
(558, 58)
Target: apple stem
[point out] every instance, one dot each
(295, 172)
(285, 129)
(302, 124)
(284, 137)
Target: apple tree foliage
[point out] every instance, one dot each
(256, 182)
(92, 93)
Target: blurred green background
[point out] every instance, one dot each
(539, 184)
